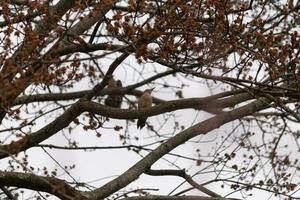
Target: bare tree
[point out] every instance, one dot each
(57, 58)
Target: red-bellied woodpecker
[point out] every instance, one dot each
(145, 101)
(114, 100)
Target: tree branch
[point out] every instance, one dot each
(182, 174)
(50, 185)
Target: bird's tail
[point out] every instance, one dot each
(141, 123)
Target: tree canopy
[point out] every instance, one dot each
(226, 85)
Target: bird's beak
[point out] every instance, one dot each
(152, 89)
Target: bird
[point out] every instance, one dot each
(145, 101)
(114, 100)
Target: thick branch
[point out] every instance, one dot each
(50, 185)
(56, 12)
(88, 21)
(205, 103)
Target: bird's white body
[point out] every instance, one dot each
(145, 101)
